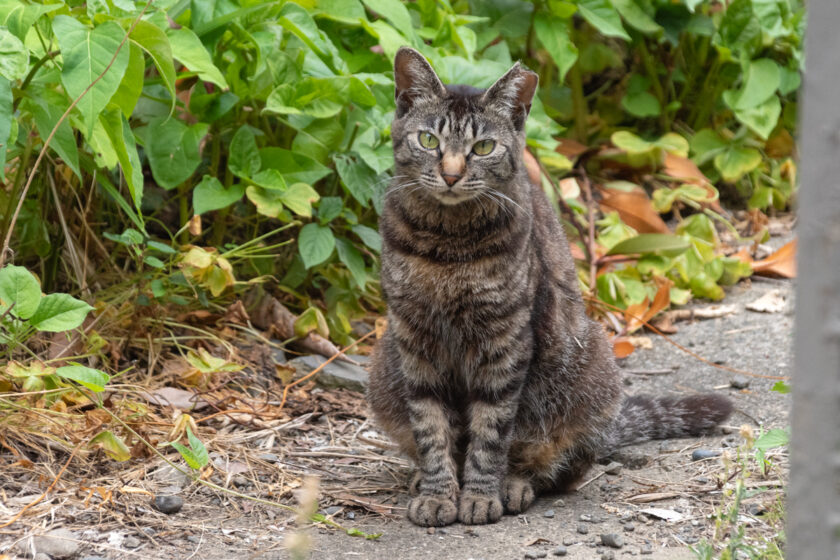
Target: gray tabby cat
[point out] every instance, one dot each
(490, 376)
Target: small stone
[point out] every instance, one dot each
(350, 515)
(332, 510)
(337, 374)
(629, 527)
(169, 504)
(195, 539)
(268, 457)
(700, 454)
(612, 540)
(548, 513)
(756, 509)
(739, 382)
(536, 554)
(613, 468)
(559, 551)
(586, 517)
(582, 529)
(131, 542)
(58, 543)
(569, 541)
(442, 531)
(647, 548)
(42, 556)
(608, 555)
(702, 480)
(729, 441)
(240, 481)
(430, 530)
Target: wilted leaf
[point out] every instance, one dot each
(781, 263)
(112, 445)
(622, 347)
(635, 209)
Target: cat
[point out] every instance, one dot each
(489, 375)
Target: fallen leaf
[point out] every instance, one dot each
(577, 252)
(771, 302)
(570, 148)
(683, 169)
(622, 347)
(346, 498)
(661, 513)
(638, 314)
(635, 209)
(172, 396)
(781, 263)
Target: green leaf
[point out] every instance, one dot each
(781, 387)
(200, 452)
(353, 260)
(58, 313)
(124, 144)
(93, 379)
(740, 29)
(298, 21)
(348, 12)
(761, 80)
(172, 148)
(19, 287)
(636, 17)
(380, 159)
(315, 244)
(295, 167)
(47, 111)
(210, 194)
(316, 97)
(244, 156)
(154, 41)
(699, 226)
(14, 56)
(86, 55)
(6, 106)
(553, 33)
(131, 85)
(735, 162)
(772, 439)
(394, 11)
(369, 237)
(602, 16)
(154, 262)
(642, 104)
(270, 179)
(22, 16)
(187, 455)
(299, 198)
(706, 144)
(189, 50)
(657, 243)
(311, 320)
(268, 202)
(762, 119)
(357, 178)
(329, 208)
(112, 445)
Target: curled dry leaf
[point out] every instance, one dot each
(781, 263)
(622, 347)
(638, 314)
(771, 302)
(685, 170)
(570, 148)
(635, 208)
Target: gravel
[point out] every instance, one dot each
(612, 540)
(700, 454)
(169, 504)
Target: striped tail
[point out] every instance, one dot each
(642, 418)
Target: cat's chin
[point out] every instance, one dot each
(449, 198)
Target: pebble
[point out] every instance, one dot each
(240, 481)
(613, 468)
(332, 510)
(430, 530)
(195, 539)
(582, 529)
(131, 542)
(739, 382)
(559, 551)
(612, 540)
(569, 541)
(629, 527)
(350, 515)
(756, 509)
(536, 554)
(56, 543)
(647, 548)
(608, 555)
(169, 504)
(700, 454)
(268, 457)
(702, 480)
(549, 513)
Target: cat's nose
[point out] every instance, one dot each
(450, 179)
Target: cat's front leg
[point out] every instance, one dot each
(490, 425)
(437, 487)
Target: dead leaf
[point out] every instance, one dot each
(577, 252)
(771, 302)
(781, 263)
(635, 208)
(683, 169)
(661, 513)
(172, 396)
(780, 145)
(638, 314)
(195, 225)
(570, 148)
(622, 347)
(346, 498)
(532, 167)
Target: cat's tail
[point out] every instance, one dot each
(642, 418)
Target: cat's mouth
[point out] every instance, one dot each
(451, 197)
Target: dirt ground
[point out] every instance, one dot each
(657, 504)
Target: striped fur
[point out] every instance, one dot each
(490, 375)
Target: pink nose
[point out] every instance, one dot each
(450, 179)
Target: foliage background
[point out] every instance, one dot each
(269, 121)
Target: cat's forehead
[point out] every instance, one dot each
(460, 114)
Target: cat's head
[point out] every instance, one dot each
(454, 143)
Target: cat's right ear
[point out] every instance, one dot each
(414, 79)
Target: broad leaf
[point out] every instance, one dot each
(761, 81)
(636, 16)
(369, 237)
(6, 105)
(172, 148)
(553, 33)
(735, 162)
(14, 56)
(47, 111)
(112, 445)
(20, 288)
(268, 202)
(763, 118)
(59, 312)
(189, 50)
(22, 16)
(295, 167)
(131, 85)
(210, 194)
(154, 41)
(658, 243)
(357, 178)
(244, 156)
(772, 439)
(394, 11)
(93, 379)
(353, 260)
(299, 198)
(316, 97)
(125, 147)
(603, 17)
(86, 55)
(315, 244)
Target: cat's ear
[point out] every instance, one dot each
(512, 94)
(414, 79)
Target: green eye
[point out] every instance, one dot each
(483, 147)
(428, 141)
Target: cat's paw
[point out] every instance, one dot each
(478, 509)
(432, 511)
(517, 494)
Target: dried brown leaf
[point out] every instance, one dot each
(781, 263)
(636, 210)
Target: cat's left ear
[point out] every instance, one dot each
(512, 94)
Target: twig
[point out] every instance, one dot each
(567, 210)
(46, 145)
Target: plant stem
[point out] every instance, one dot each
(653, 74)
(184, 210)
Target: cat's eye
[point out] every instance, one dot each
(428, 141)
(483, 147)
